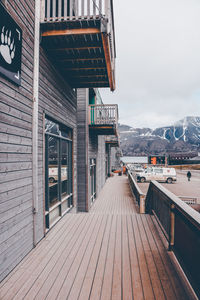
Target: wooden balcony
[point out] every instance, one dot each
(103, 119)
(110, 253)
(112, 140)
(79, 38)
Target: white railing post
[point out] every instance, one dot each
(54, 10)
(82, 8)
(71, 9)
(42, 11)
(48, 10)
(100, 7)
(106, 8)
(65, 10)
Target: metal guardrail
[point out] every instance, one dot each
(181, 226)
(140, 197)
(103, 114)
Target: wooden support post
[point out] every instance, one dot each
(89, 114)
(106, 8)
(172, 227)
(105, 40)
(142, 204)
(35, 116)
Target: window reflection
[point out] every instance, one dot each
(53, 170)
(57, 129)
(58, 171)
(64, 169)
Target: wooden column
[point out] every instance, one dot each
(35, 115)
(142, 204)
(172, 227)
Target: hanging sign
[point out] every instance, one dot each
(10, 47)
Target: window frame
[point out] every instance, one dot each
(48, 211)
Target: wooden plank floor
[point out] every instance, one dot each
(110, 253)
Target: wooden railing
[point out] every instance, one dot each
(181, 226)
(103, 114)
(140, 197)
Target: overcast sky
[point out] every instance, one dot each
(158, 61)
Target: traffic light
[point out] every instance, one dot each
(153, 160)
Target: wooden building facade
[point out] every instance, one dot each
(39, 113)
(95, 121)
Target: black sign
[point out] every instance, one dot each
(10, 47)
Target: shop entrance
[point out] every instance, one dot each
(58, 171)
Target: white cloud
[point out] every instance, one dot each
(158, 61)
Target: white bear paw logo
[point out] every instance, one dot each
(7, 47)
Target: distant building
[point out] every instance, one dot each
(134, 159)
(182, 158)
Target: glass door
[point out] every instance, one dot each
(58, 171)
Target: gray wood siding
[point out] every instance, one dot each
(56, 99)
(101, 166)
(114, 161)
(90, 145)
(16, 220)
(82, 149)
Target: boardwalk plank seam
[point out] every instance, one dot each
(79, 241)
(167, 286)
(99, 250)
(14, 276)
(110, 253)
(27, 283)
(154, 275)
(65, 250)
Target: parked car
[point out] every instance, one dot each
(53, 174)
(135, 168)
(160, 174)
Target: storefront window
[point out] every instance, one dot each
(58, 171)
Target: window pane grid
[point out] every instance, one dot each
(58, 172)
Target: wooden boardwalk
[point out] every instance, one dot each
(110, 253)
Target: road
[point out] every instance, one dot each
(182, 187)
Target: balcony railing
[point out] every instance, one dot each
(181, 226)
(104, 118)
(66, 21)
(103, 114)
(59, 10)
(112, 140)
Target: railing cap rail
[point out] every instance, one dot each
(188, 211)
(94, 105)
(136, 186)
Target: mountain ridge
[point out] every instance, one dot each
(182, 136)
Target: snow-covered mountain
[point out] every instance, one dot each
(183, 136)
